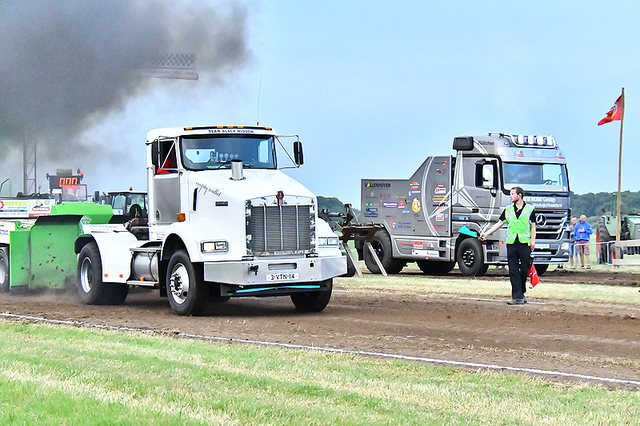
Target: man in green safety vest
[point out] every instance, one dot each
(521, 241)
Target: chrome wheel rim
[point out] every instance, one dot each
(179, 284)
(86, 275)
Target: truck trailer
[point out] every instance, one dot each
(434, 217)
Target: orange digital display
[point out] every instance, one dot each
(70, 180)
(61, 181)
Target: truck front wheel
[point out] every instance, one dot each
(313, 301)
(187, 291)
(381, 243)
(91, 288)
(4, 269)
(470, 258)
(541, 269)
(351, 269)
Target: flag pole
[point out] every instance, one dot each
(619, 199)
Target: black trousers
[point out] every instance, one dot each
(519, 257)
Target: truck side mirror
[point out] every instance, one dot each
(297, 153)
(487, 176)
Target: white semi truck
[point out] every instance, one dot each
(223, 221)
(432, 217)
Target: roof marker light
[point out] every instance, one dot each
(533, 141)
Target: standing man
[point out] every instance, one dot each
(582, 233)
(521, 240)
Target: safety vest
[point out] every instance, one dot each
(518, 226)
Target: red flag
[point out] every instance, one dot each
(533, 276)
(615, 113)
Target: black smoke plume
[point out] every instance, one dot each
(65, 64)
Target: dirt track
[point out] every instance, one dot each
(596, 340)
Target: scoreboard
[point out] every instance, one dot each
(56, 182)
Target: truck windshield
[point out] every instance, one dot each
(536, 177)
(210, 153)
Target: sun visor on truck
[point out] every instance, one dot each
(463, 143)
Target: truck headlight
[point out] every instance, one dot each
(214, 246)
(565, 246)
(328, 241)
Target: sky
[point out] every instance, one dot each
(371, 87)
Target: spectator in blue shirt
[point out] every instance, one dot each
(581, 234)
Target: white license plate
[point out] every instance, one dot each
(289, 276)
(542, 246)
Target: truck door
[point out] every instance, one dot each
(166, 183)
(477, 200)
(486, 187)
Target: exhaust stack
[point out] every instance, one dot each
(236, 170)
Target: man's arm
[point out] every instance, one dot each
(484, 235)
(533, 236)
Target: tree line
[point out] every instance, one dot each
(594, 205)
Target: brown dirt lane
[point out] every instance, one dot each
(599, 340)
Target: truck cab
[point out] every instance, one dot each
(122, 201)
(487, 167)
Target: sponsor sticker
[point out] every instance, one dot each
(415, 205)
(425, 253)
(377, 185)
(400, 225)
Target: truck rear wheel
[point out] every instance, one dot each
(435, 268)
(91, 288)
(187, 291)
(470, 258)
(4, 269)
(313, 301)
(381, 243)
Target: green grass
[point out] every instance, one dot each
(59, 375)
(500, 287)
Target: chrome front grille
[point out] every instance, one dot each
(288, 229)
(550, 224)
